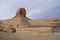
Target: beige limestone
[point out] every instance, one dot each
(21, 22)
(38, 30)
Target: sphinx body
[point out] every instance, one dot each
(21, 21)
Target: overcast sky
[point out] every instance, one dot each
(36, 9)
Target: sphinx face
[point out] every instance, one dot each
(22, 11)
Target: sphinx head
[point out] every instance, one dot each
(21, 12)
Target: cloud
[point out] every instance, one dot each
(33, 11)
(38, 8)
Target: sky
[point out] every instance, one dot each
(36, 9)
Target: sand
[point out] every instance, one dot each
(22, 35)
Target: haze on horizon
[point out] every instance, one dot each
(36, 9)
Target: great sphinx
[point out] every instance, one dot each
(21, 21)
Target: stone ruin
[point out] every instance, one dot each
(21, 21)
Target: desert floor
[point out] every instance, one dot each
(22, 35)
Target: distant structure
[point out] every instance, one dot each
(21, 21)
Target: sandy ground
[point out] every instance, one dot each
(29, 36)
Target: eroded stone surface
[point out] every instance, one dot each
(21, 21)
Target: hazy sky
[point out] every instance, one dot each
(36, 9)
